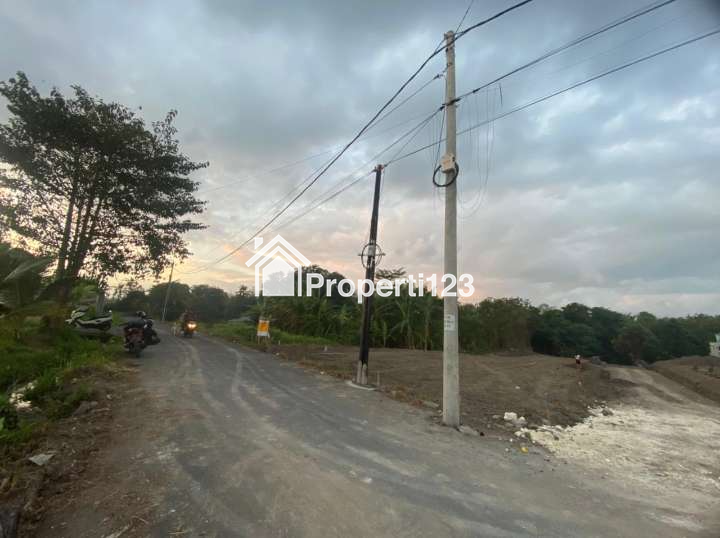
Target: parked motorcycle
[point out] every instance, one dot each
(139, 334)
(134, 340)
(102, 322)
(188, 328)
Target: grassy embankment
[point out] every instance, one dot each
(244, 333)
(55, 367)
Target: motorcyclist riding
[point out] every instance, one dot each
(187, 323)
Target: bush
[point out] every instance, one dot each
(278, 336)
(8, 415)
(243, 332)
(20, 364)
(50, 359)
(240, 332)
(52, 351)
(18, 436)
(56, 396)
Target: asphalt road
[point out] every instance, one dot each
(241, 443)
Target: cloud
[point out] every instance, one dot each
(606, 194)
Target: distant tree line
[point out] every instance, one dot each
(210, 304)
(415, 322)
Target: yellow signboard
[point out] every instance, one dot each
(263, 328)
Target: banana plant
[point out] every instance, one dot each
(21, 282)
(20, 276)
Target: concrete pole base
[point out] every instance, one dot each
(361, 374)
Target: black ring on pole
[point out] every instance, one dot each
(442, 185)
(377, 257)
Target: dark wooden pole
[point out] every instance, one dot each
(362, 369)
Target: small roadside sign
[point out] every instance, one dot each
(263, 328)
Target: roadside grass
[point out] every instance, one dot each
(47, 369)
(117, 319)
(246, 334)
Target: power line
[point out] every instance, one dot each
(609, 26)
(470, 5)
(334, 148)
(490, 19)
(357, 180)
(367, 125)
(276, 204)
(401, 103)
(627, 18)
(326, 200)
(617, 46)
(294, 189)
(265, 172)
(412, 132)
(566, 89)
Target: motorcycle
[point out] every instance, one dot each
(134, 340)
(139, 334)
(102, 322)
(188, 329)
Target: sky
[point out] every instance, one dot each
(608, 194)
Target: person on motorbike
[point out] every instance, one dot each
(133, 325)
(144, 323)
(138, 322)
(186, 317)
(187, 322)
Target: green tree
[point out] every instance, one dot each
(636, 343)
(208, 303)
(557, 334)
(579, 339)
(606, 325)
(178, 300)
(702, 329)
(240, 303)
(129, 297)
(577, 313)
(646, 319)
(88, 184)
(675, 340)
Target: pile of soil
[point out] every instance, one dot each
(701, 374)
(543, 389)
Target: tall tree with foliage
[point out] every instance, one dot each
(179, 299)
(88, 183)
(637, 343)
(240, 303)
(208, 302)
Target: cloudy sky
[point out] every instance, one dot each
(608, 194)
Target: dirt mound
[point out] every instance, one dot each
(694, 360)
(543, 389)
(701, 374)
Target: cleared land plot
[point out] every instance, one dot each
(701, 374)
(657, 439)
(543, 389)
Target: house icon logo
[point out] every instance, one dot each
(275, 266)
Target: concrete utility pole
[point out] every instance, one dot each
(100, 302)
(451, 362)
(167, 291)
(371, 251)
